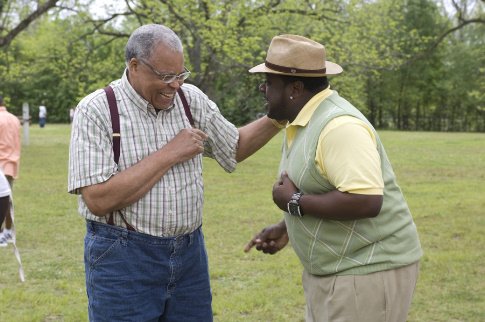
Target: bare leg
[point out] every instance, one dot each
(5, 210)
(8, 217)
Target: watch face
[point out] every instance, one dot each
(294, 208)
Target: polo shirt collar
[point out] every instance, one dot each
(307, 111)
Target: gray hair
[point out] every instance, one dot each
(145, 38)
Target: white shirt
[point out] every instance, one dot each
(4, 186)
(42, 111)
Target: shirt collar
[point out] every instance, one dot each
(307, 111)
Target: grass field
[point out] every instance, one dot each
(441, 174)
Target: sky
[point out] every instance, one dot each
(100, 8)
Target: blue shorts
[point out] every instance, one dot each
(132, 276)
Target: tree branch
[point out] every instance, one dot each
(22, 25)
(461, 17)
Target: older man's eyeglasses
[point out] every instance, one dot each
(168, 78)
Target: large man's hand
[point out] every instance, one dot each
(270, 240)
(283, 189)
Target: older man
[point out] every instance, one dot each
(145, 258)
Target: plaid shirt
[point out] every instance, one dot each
(174, 205)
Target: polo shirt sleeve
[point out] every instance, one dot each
(91, 159)
(347, 156)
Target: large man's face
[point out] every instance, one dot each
(276, 92)
(144, 76)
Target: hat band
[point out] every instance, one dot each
(290, 70)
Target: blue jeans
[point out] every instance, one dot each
(132, 276)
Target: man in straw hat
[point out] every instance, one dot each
(344, 213)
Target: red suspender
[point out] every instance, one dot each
(186, 106)
(115, 117)
(115, 121)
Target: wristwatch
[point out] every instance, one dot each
(294, 205)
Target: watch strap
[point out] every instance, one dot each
(293, 206)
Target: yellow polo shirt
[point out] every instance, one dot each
(346, 153)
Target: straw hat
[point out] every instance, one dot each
(296, 56)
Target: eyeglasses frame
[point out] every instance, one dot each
(180, 78)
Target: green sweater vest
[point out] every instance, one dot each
(347, 247)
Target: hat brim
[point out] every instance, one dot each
(331, 69)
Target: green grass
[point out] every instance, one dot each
(441, 174)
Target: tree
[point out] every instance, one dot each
(57, 69)
(465, 12)
(397, 69)
(16, 16)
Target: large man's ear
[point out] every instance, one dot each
(297, 88)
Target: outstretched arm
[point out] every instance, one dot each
(255, 135)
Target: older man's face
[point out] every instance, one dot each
(144, 76)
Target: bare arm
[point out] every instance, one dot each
(341, 206)
(333, 205)
(253, 136)
(133, 183)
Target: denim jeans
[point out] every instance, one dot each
(132, 276)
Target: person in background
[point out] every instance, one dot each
(71, 114)
(4, 205)
(10, 147)
(145, 257)
(344, 213)
(42, 115)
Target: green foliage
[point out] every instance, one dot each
(462, 91)
(57, 69)
(393, 71)
(441, 174)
